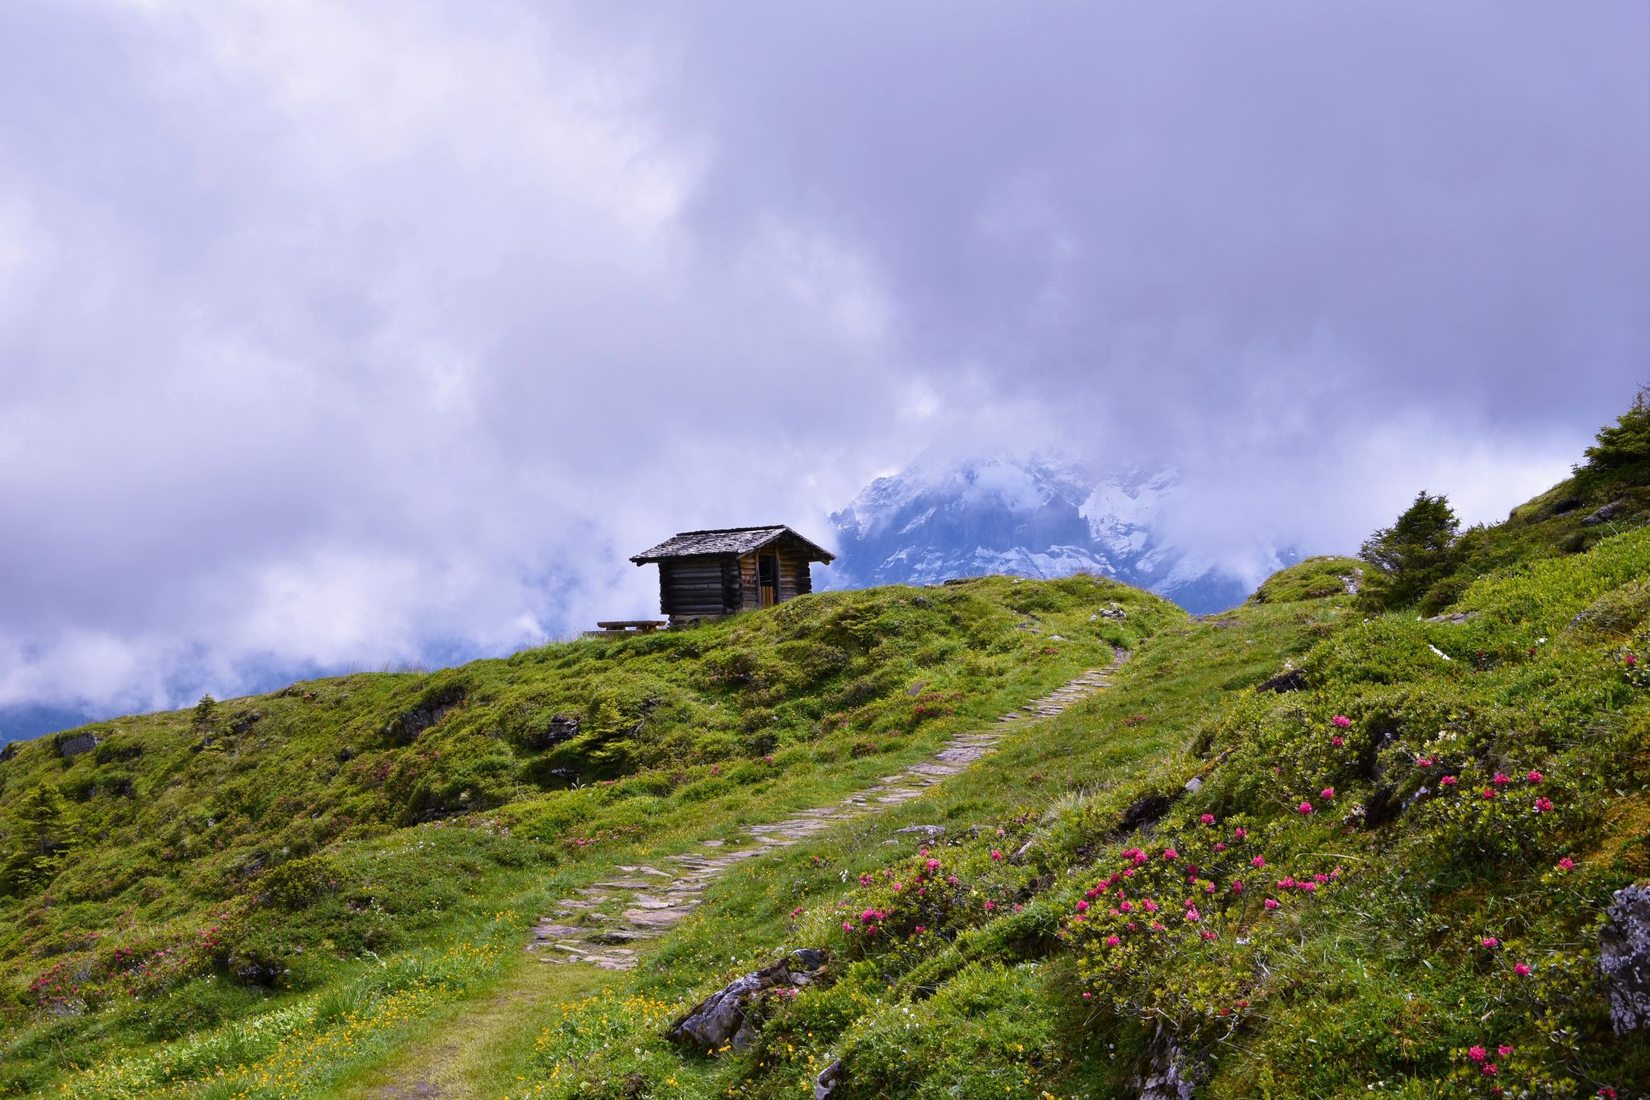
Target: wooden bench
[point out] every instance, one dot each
(630, 626)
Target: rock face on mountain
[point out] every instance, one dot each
(1040, 517)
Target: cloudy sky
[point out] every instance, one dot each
(360, 334)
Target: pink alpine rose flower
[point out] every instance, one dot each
(1271, 903)
(1341, 721)
(1523, 971)
(1305, 807)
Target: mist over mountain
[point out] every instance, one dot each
(1040, 516)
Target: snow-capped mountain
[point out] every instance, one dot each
(1038, 517)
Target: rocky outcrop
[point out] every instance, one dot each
(928, 832)
(560, 727)
(1605, 514)
(727, 1015)
(1286, 681)
(1169, 1073)
(1454, 618)
(74, 744)
(1624, 958)
(404, 728)
(827, 1081)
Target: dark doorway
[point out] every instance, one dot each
(767, 578)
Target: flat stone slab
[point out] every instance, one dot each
(654, 871)
(657, 918)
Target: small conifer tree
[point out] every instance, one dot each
(1627, 442)
(1412, 555)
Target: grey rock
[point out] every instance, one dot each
(827, 1081)
(932, 832)
(7, 751)
(723, 1017)
(1290, 679)
(74, 745)
(404, 728)
(1455, 619)
(1168, 1076)
(1193, 785)
(1608, 512)
(1624, 958)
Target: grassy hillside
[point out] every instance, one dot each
(1294, 850)
(386, 840)
(1405, 860)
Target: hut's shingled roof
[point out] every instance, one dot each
(727, 540)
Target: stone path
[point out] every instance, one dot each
(651, 900)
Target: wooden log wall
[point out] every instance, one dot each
(789, 562)
(711, 585)
(751, 592)
(699, 587)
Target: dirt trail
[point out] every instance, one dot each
(651, 899)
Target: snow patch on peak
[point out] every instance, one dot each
(1043, 515)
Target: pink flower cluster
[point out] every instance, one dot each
(1481, 1058)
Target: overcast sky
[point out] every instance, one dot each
(353, 334)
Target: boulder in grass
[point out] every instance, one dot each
(1624, 958)
(74, 744)
(725, 1016)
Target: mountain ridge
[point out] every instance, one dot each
(1043, 516)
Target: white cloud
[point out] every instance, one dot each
(343, 333)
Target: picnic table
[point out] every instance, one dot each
(630, 626)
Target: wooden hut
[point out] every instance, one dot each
(708, 574)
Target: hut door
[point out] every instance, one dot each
(767, 578)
